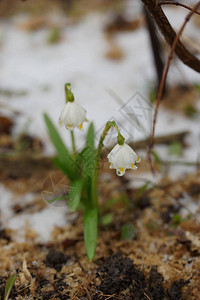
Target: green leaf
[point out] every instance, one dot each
(54, 36)
(88, 153)
(56, 199)
(90, 136)
(88, 158)
(190, 110)
(152, 95)
(175, 148)
(64, 160)
(107, 219)
(62, 167)
(128, 232)
(111, 202)
(142, 190)
(9, 284)
(90, 223)
(75, 194)
(177, 219)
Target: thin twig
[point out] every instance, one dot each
(146, 296)
(178, 4)
(179, 162)
(89, 297)
(24, 288)
(162, 83)
(193, 287)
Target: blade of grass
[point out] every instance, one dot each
(90, 223)
(9, 284)
(88, 159)
(64, 160)
(75, 194)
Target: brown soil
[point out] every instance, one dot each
(160, 262)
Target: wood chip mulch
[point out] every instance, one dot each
(162, 261)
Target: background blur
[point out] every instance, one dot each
(103, 49)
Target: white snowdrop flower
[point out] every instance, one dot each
(72, 115)
(123, 157)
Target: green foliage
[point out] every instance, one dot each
(175, 148)
(80, 169)
(75, 194)
(152, 95)
(190, 111)
(88, 159)
(197, 87)
(177, 219)
(142, 190)
(54, 36)
(90, 223)
(62, 197)
(9, 284)
(64, 160)
(128, 231)
(113, 201)
(107, 219)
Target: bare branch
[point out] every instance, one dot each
(177, 4)
(162, 84)
(170, 35)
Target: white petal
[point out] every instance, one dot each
(122, 157)
(119, 172)
(134, 168)
(72, 115)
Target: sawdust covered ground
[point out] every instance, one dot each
(161, 261)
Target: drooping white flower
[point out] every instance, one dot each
(123, 157)
(72, 115)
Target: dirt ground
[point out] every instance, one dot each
(159, 261)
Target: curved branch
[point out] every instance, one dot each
(178, 4)
(162, 83)
(170, 35)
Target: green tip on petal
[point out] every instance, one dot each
(68, 93)
(67, 86)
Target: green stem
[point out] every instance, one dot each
(73, 143)
(120, 138)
